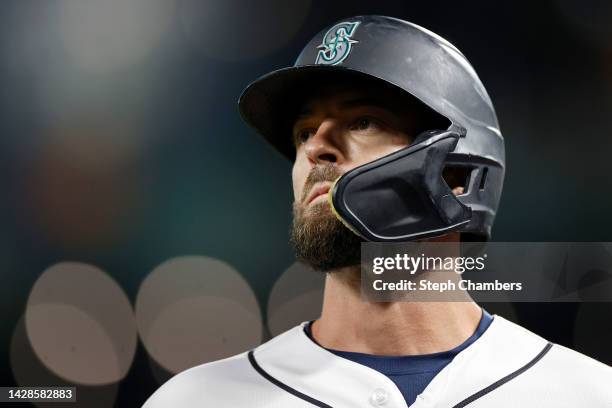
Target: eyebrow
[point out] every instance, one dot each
(352, 103)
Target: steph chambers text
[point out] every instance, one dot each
(445, 286)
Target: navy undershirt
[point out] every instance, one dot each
(411, 374)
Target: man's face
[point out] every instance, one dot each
(334, 132)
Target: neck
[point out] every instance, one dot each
(349, 323)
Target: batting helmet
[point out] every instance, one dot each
(402, 196)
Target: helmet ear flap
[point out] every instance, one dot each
(424, 136)
(402, 196)
(433, 131)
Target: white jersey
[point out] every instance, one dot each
(508, 366)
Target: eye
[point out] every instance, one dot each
(302, 135)
(364, 123)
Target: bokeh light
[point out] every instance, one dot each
(224, 29)
(73, 342)
(297, 296)
(106, 35)
(29, 371)
(80, 187)
(80, 324)
(194, 309)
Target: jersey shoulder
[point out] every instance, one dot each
(510, 366)
(563, 375)
(578, 371)
(231, 382)
(210, 384)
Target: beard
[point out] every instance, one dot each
(319, 238)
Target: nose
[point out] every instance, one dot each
(324, 146)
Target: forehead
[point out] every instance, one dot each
(348, 96)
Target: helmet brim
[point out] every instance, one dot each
(269, 104)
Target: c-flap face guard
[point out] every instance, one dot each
(402, 196)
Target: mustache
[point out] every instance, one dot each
(327, 172)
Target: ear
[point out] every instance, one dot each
(458, 190)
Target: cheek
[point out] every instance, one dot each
(298, 176)
(382, 146)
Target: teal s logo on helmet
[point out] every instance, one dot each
(337, 43)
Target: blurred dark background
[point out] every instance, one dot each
(144, 227)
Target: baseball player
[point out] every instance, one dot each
(393, 137)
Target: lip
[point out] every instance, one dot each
(317, 190)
